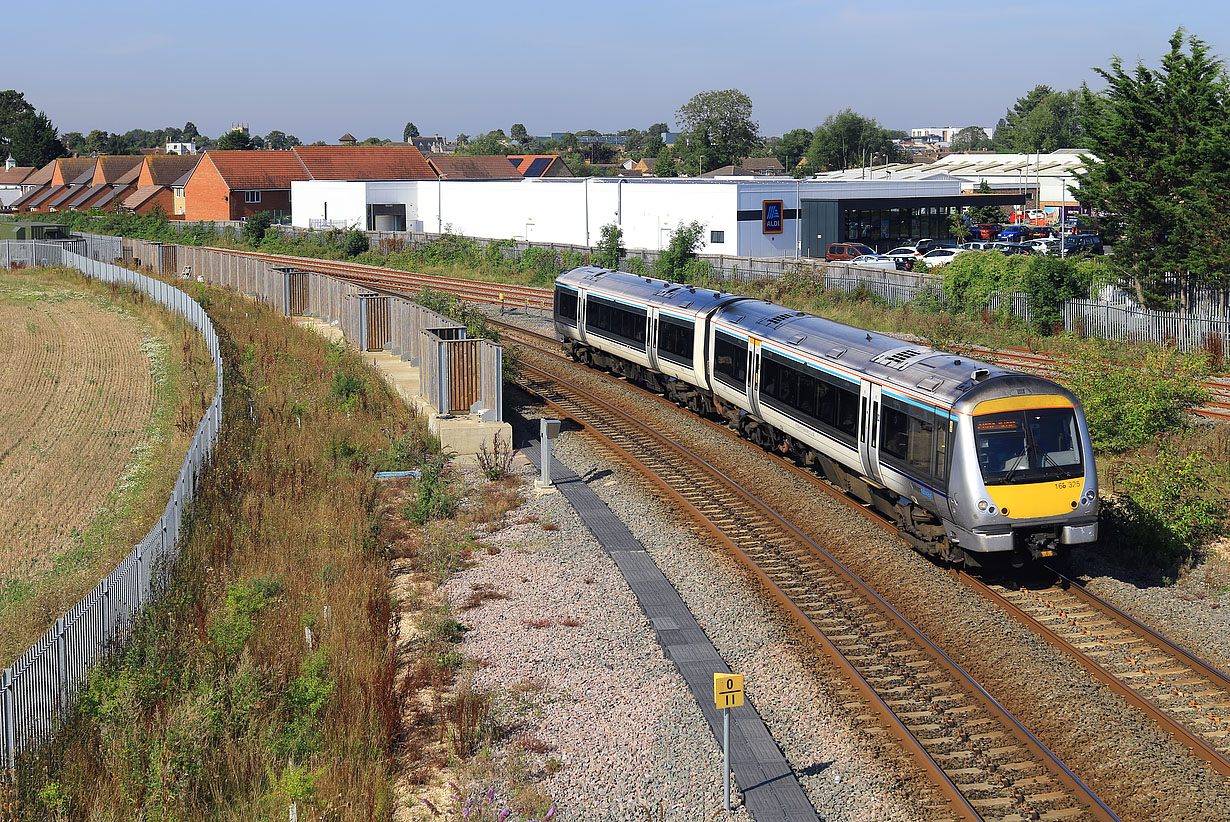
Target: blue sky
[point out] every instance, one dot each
(317, 70)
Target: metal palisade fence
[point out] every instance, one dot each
(36, 689)
(457, 375)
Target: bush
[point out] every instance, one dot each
(255, 227)
(1130, 399)
(610, 248)
(434, 497)
(1159, 511)
(354, 243)
(673, 264)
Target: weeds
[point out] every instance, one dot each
(436, 495)
(496, 463)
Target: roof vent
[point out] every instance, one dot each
(930, 384)
(835, 353)
(798, 339)
(900, 358)
(979, 374)
(776, 319)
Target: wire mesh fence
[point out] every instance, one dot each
(36, 690)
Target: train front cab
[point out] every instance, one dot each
(1024, 482)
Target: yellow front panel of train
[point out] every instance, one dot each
(1038, 499)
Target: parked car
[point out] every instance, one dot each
(847, 251)
(1012, 248)
(905, 252)
(941, 256)
(978, 245)
(875, 261)
(987, 231)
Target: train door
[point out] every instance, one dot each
(651, 338)
(753, 377)
(869, 429)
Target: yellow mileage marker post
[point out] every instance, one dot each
(727, 694)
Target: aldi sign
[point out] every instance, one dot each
(771, 216)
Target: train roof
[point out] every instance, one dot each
(942, 377)
(678, 297)
(924, 371)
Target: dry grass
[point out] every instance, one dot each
(100, 392)
(217, 709)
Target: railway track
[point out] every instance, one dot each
(534, 298)
(1185, 695)
(984, 762)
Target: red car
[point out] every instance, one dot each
(847, 251)
(987, 231)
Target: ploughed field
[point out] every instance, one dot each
(81, 435)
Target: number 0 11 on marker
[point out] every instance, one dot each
(728, 690)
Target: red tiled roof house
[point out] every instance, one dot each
(233, 185)
(161, 184)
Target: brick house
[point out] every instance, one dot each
(161, 183)
(234, 185)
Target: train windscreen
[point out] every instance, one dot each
(1035, 445)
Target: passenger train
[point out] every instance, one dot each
(977, 465)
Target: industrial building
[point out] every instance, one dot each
(758, 217)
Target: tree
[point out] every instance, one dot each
(985, 213)
(792, 147)
(1043, 120)
(959, 226)
(462, 140)
(970, 138)
(35, 141)
(96, 142)
(13, 109)
(519, 133)
(675, 261)
(73, 140)
(1159, 162)
(610, 247)
(190, 131)
(493, 142)
(235, 140)
(665, 166)
(849, 140)
(718, 129)
(411, 130)
(279, 141)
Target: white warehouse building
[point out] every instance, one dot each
(774, 217)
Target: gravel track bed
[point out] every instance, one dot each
(845, 767)
(1194, 612)
(600, 693)
(1122, 756)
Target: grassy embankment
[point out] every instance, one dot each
(104, 390)
(219, 707)
(283, 664)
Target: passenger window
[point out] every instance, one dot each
(730, 360)
(675, 340)
(566, 305)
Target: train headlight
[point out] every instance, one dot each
(982, 505)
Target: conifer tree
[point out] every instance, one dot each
(1160, 165)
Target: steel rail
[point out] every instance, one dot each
(900, 731)
(1177, 730)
